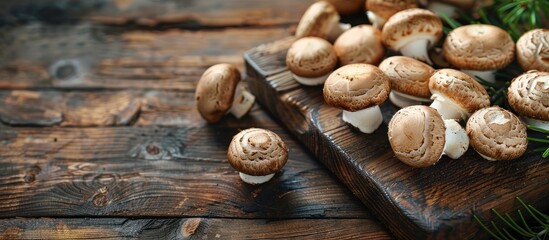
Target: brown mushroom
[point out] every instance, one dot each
(497, 134)
(360, 44)
(409, 80)
(358, 89)
(311, 60)
(257, 154)
(381, 10)
(528, 95)
(479, 50)
(219, 91)
(321, 20)
(533, 50)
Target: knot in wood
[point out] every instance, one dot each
(189, 227)
(66, 69)
(101, 199)
(152, 149)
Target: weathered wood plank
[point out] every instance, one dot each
(190, 228)
(191, 14)
(434, 202)
(91, 56)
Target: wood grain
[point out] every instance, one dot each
(189, 228)
(436, 202)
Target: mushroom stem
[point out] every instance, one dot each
(336, 28)
(402, 100)
(311, 81)
(489, 76)
(417, 49)
(457, 141)
(255, 179)
(376, 20)
(447, 108)
(536, 122)
(443, 8)
(367, 120)
(243, 101)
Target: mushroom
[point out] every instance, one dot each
(528, 95)
(409, 80)
(345, 7)
(533, 50)
(358, 89)
(360, 44)
(419, 136)
(381, 10)
(311, 60)
(450, 7)
(321, 20)
(220, 91)
(412, 32)
(479, 50)
(497, 134)
(456, 95)
(257, 154)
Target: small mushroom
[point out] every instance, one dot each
(311, 60)
(220, 91)
(360, 44)
(358, 89)
(412, 32)
(528, 95)
(419, 136)
(409, 80)
(321, 20)
(497, 134)
(533, 50)
(450, 7)
(479, 50)
(257, 154)
(456, 95)
(346, 7)
(381, 10)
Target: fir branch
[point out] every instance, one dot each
(544, 149)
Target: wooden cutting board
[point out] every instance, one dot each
(436, 202)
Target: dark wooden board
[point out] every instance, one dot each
(435, 202)
(189, 228)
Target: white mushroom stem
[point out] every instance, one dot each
(312, 81)
(376, 20)
(402, 100)
(443, 8)
(336, 28)
(536, 122)
(457, 141)
(242, 102)
(489, 76)
(417, 49)
(447, 108)
(366, 120)
(255, 179)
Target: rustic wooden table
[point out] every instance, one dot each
(100, 138)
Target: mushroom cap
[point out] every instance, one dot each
(215, 91)
(388, 8)
(479, 47)
(316, 20)
(460, 88)
(409, 25)
(408, 75)
(311, 57)
(347, 6)
(533, 50)
(528, 94)
(417, 135)
(356, 86)
(257, 152)
(497, 133)
(360, 44)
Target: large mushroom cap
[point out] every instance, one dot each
(257, 152)
(479, 47)
(416, 135)
(408, 75)
(460, 88)
(347, 6)
(387, 8)
(409, 25)
(528, 94)
(360, 44)
(311, 57)
(533, 50)
(316, 20)
(356, 86)
(215, 91)
(497, 134)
